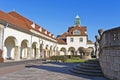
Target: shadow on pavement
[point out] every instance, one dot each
(63, 68)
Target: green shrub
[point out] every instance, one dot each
(73, 56)
(57, 58)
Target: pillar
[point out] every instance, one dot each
(17, 53)
(1, 42)
(28, 53)
(37, 53)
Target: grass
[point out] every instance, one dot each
(75, 60)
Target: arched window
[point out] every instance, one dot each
(76, 32)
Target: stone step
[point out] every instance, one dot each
(86, 73)
(88, 70)
(89, 64)
(89, 67)
(92, 61)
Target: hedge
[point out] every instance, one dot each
(57, 58)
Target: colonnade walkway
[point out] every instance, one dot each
(44, 71)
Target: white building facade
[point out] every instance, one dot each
(76, 38)
(22, 39)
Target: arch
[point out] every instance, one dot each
(24, 49)
(46, 47)
(80, 51)
(63, 51)
(46, 52)
(71, 51)
(10, 43)
(34, 49)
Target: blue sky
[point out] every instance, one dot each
(57, 15)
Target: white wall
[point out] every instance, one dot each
(20, 36)
(76, 43)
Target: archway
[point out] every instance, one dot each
(10, 44)
(24, 49)
(63, 51)
(34, 50)
(71, 51)
(46, 53)
(80, 51)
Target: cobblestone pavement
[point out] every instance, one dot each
(49, 71)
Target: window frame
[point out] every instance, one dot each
(80, 39)
(71, 39)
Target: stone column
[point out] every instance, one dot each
(46, 51)
(37, 53)
(1, 42)
(1, 29)
(41, 53)
(1, 58)
(44, 54)
(28, 53)
(17, 53)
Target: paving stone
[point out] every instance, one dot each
(51, 71)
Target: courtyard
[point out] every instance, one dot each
(48, 71)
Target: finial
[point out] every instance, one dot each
(77, 16)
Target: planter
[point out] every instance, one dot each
(87, 53)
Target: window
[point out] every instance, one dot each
(71, 39)
(76, 32)
(81, 39)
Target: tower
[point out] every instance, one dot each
(77, 21)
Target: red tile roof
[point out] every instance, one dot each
(21, 22)
(82, 30)
(61, 41)
(12, 20)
